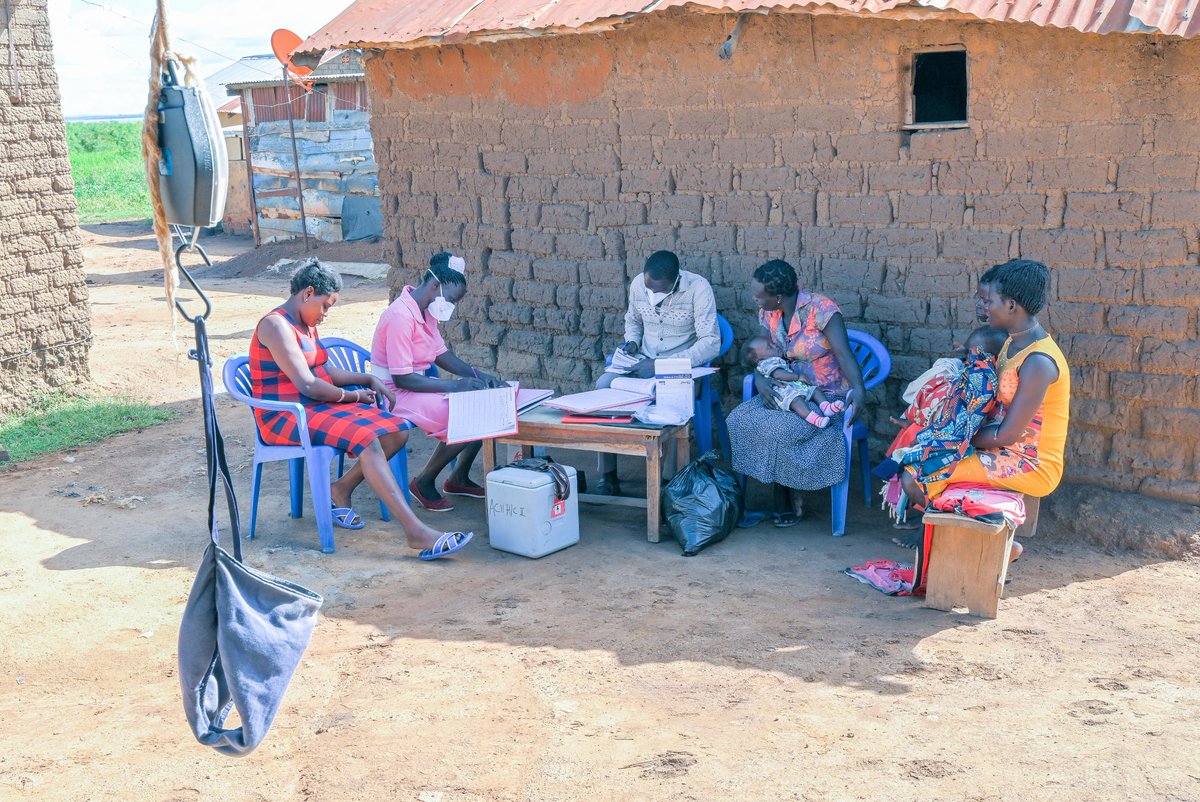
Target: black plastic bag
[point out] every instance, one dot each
(702, 504)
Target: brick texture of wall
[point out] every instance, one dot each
(557, 165)
(45, 323)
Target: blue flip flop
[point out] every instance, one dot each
(446, 544)
(345, 517)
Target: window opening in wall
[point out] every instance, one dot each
(939, 89)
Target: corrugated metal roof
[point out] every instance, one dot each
(392, 24)
(266, 71)
(247, 68)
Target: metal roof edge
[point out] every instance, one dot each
(342, 77)
(917, 10)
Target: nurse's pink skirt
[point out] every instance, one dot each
(429, 411)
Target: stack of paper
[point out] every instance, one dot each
(528, 399)
(674, 387)
(632, 385)
(622, 362)
(597, 399)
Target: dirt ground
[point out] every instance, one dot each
(614, 670)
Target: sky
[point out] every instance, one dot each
(102, 47)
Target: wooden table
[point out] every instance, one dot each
(543, 426)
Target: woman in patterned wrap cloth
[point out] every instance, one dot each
(288, 363)
(779, 447)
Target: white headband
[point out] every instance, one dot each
(458, 263)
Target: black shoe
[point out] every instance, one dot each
(609, 485)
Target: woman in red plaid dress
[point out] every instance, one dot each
(288, 363)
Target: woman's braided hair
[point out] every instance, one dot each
(1022, 280)
(311, 273)
(777, 277)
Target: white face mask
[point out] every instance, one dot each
(441, 309)
(657, 298)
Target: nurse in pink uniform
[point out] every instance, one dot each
(406, 343)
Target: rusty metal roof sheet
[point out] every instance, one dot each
(266, 71)
(405, 24)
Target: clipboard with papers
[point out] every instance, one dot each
(485, 414)
(482, 414)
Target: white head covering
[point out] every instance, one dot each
(458, 263)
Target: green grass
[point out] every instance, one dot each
(57, 422)
(110, 176)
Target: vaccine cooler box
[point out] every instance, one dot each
(524, 517)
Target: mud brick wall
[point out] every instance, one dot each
(556, 165)
(45, 322)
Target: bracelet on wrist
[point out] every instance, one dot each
(341, 395)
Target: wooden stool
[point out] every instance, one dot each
(1033, 505)
(968, 562)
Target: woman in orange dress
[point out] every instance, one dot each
(1024, 451)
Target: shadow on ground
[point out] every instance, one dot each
(761, 599)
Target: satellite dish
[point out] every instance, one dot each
(284, 43)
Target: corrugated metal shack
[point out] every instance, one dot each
(333, 140)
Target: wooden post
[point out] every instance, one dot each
(246, 107)
(287, 87)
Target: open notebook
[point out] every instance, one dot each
(482, 414)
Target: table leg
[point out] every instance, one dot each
(653, 488)
(682, 449)
(489, 458)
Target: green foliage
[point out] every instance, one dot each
(110, 176)
(56, 422)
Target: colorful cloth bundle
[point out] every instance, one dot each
(969, 402)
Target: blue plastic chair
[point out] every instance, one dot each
(317, 459)
(351, 356)
(876, 364)
(708, 403)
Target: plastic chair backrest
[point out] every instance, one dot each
(236, 376)
(873, 359)
(726, 334)
(345, 354)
